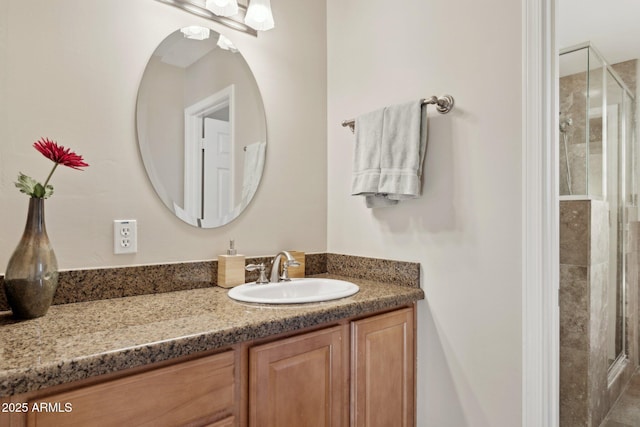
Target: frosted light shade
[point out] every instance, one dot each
(195, 32)
(226, 44)
(259, 16)
(223, 7)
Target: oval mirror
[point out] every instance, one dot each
(201, 127)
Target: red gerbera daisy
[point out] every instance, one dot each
(58, 154)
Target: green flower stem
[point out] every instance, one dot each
(55, 165)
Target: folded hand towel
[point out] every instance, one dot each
(366, 160)
(402, 150)
(389, 151)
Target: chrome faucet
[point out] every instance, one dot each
(275, 267)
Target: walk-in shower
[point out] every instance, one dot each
(597, 192)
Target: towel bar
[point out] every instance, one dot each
(444, 104)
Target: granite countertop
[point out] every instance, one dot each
(81, 340)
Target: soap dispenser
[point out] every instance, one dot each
(230, 268)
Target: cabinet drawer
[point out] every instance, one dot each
(185, 393)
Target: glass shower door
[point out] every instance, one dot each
(613, 120)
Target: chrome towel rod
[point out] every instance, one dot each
(444, 104)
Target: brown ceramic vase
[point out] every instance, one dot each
(31, 277)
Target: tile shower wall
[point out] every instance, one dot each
(572, 105)
(581, 268)
(628, 72)
(585, 395)
(573, 101)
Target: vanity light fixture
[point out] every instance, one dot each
(223, 7)
(259, 15)
(195, 32)
(226, 44)
(197, 7)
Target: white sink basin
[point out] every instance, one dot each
(295, 291)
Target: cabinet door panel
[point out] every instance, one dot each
(382, 370)
(170, 396)
(300, 381)
(227, 422)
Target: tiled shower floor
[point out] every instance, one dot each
(626, 411)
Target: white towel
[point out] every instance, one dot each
(389, 151)
(253, 165)
(366, 158)
(402, 152)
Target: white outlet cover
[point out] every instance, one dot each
(125, 236)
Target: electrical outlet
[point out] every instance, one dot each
(125, 236)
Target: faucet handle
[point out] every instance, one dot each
(253, 267)
(262, 278)
(284, 277)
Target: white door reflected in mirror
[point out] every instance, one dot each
(217, 168)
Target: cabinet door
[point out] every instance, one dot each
(227, 422)
(300, 381)
(382, 370)
(192, 393)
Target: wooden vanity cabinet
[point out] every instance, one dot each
(227, 422)
(357, 372)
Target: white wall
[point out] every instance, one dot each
(466, 229)
(70, 69)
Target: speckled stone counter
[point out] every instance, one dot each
(81, 340)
